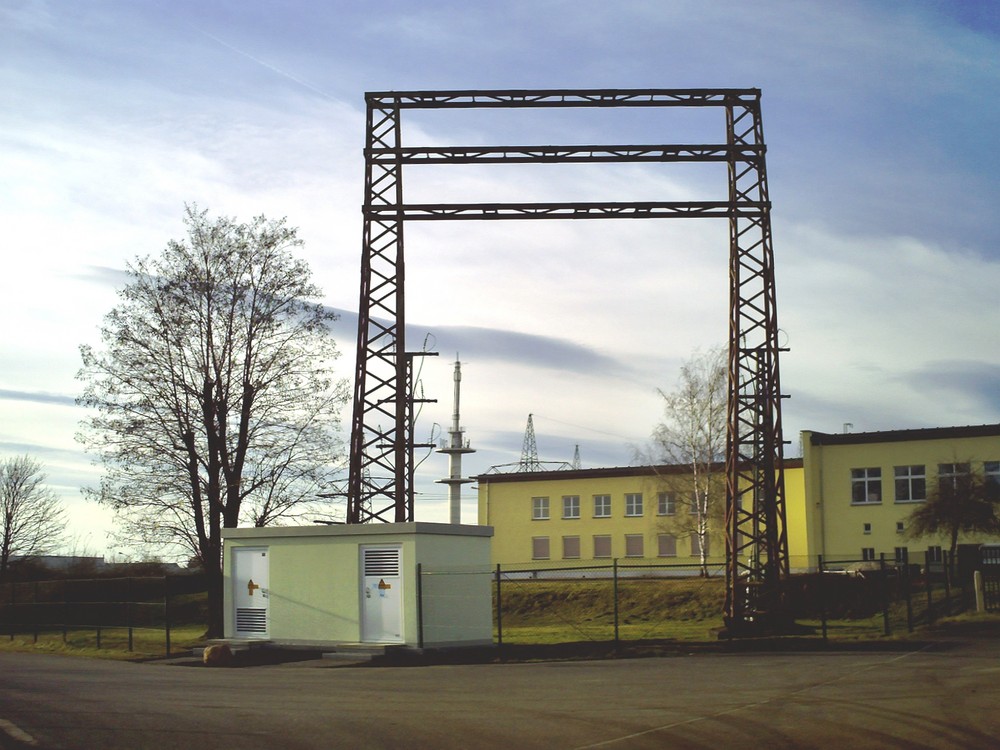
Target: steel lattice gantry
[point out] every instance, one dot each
(381, 462)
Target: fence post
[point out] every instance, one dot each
(420, 605)
(65, 612)
(499, 611)
(821, 594)
(614, 577)
(166, 611)
(128, 609)
(948, 562)
(885, 594)
(927, 577)
(34, 614)
(909, 599)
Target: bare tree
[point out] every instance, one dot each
(215, 402)
(33, 520)
(693, 435)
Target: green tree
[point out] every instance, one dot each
(32, 519)
(693, 435)
(214, 402)
(962, 502)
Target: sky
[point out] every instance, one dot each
(880, 119)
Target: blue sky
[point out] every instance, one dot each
(880, 120)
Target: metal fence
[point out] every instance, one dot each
(637, 600)
(887, 595)
(99, 605)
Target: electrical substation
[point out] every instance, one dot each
(381, 478)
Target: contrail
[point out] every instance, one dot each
(265, 64)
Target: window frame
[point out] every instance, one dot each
(605, 505)
(540, 508)
(601, 537)
(570, 538)
(955, 472)
(660, 539)
(633, 501)
(991, 473)
(642, 545)
(908, 480)
(535, 541)
(666, 503)
(571, 507)
(866, 481)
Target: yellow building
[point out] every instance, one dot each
(861, 487)
(847, 498)
(640, 512)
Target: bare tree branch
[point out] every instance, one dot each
(215, 402)
(32, 520)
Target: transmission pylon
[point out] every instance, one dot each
(381, 476)
(529, 449)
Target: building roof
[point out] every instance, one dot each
(607, 472)
(898, 436)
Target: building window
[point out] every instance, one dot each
(633, 504)
(666, 545)
(571, 506)
(693, 507)
(539, 548)
(911, 484)
(571, 547)
(950, 476)
(866, 486)
(900, 527)
(696, 546)
(666, 504)
(602, 545)
(934, 554)
(991, 474)
(602, 506)
(868, 554)
(539, 509)
(902, 555)
(633, 545)
(867, 528)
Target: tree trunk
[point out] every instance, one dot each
(216, 620)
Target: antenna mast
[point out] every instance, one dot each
(454, 447)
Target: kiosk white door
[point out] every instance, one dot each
(250, 582)
(382, 596)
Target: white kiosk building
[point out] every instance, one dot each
(360, 584)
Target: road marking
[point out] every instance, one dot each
(16, 733)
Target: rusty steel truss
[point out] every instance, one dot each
(382, 443)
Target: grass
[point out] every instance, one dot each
(548, 612)
(551, 611)
(560, 611)
(147, 643)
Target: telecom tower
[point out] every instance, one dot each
(454, 448)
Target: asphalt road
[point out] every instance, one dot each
(932, 697)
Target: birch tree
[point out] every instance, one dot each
(693, 435)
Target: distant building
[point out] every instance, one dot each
(847, 498)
